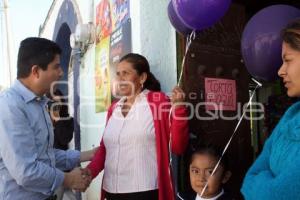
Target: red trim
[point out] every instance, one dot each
(160, 107)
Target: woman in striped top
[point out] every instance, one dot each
(134, 151)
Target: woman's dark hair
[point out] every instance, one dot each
(141, 65)
(35, 51)
(211, 150)
(291, 34)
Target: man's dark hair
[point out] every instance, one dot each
(35, 51)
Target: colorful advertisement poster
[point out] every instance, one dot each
(102, 79)
(120, 13)
(103, 20)
(220, 94)
(110, 15)
(113, 40)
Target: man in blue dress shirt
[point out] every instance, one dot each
(30, 168)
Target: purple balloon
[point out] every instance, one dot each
(176, 22)
(261, 40)
(200, 14)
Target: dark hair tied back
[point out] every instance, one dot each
(141, 65)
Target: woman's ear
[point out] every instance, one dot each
(226, 176)
(143, 78)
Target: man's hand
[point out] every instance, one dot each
(78, 179)
(86, 172)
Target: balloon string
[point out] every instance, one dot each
(234, 132)
(189, 39)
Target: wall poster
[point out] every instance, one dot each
(113, 40)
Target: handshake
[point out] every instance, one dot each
(78, 179)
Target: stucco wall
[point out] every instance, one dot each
(48, 26)
(157, 41)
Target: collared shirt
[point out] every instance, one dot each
(131, 163)
(213, 198)
(28, 163)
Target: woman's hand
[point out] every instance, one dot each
(78, 179)
(178, 96)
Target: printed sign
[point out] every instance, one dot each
(220, 94)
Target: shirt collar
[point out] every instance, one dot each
(213, 198)
(27, 94)
(140, 96)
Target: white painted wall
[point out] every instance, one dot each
(152, 36)
(48, 29)
(91, 123)
(158, 41)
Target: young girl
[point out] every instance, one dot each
(202, 164)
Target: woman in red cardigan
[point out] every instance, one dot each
(134, 151)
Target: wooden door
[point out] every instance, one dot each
(215, 53)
